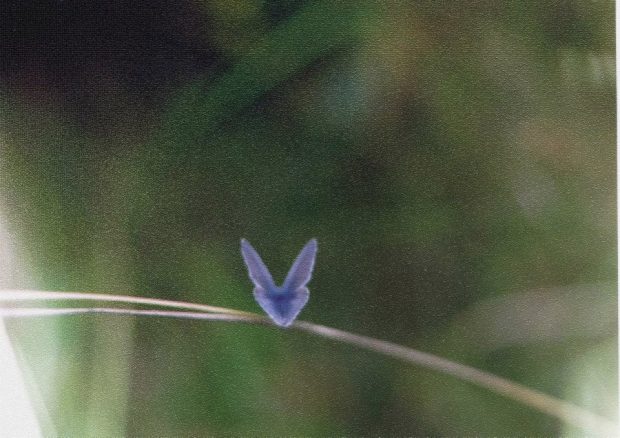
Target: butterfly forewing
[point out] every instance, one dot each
(259, 274)
(300, 273)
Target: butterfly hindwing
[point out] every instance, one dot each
(281, 308)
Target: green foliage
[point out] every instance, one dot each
(444, 154)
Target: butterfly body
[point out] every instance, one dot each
(281, 303)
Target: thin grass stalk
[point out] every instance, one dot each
(8, 295)
(560, 409)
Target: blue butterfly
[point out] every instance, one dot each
(281, 303)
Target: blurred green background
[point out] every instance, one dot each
(455, 161)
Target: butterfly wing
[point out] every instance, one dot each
(301, 272)
(258, 272)
(281, 308)
(281, 304)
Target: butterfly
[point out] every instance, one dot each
(281, 303)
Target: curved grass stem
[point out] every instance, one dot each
(27, 312)
(547, 404)
(7, 295)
